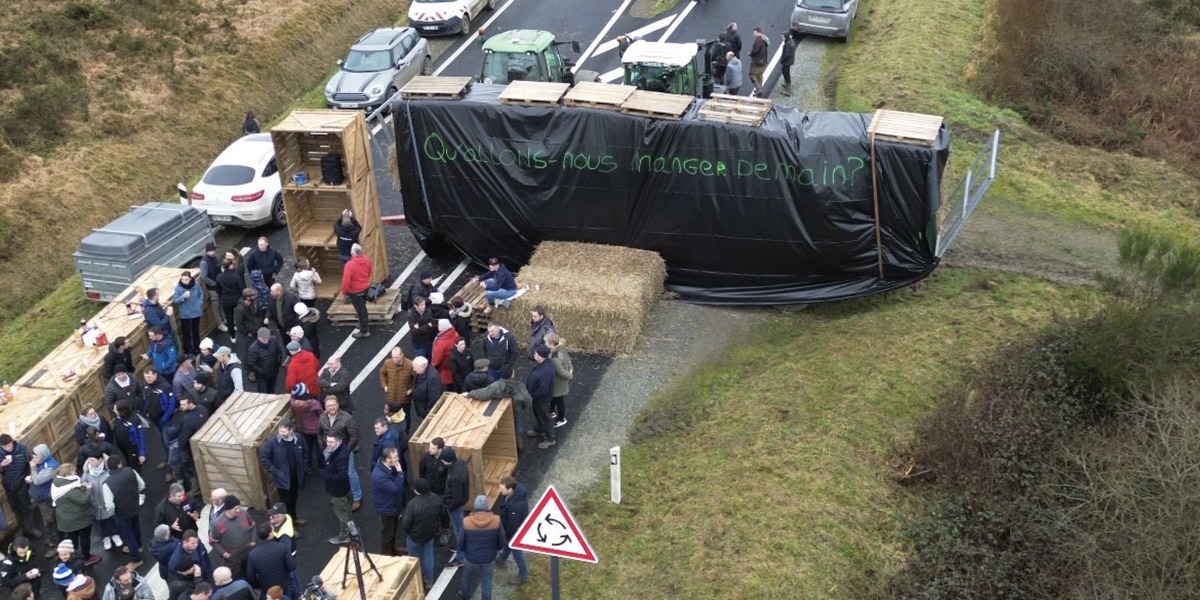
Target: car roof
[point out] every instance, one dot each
(519, 40)
(660, 53)
(380, 39)
(248, 150)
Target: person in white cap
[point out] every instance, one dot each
(309, 317)
(206, 361)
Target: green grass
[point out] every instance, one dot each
(26, 339)
(780, 484)
(922, 55)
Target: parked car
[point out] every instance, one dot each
(438, 17)
(242, 185)
(379, 63)
(830, 18)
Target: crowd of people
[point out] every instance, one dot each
(92, 500)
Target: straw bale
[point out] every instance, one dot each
(599, 297)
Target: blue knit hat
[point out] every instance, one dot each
(63, 575)
(299, 390)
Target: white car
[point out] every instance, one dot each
(439, 17)
(242, 185)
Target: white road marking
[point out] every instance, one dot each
(775, 58)
(378, 126)
(637, 33)
(443, 582)
(471, 38)
(245, 250)
(603, 32)
(369, 369)
(612, 75)
(412, 266)
(678, 20)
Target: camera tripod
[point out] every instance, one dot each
(354, 551)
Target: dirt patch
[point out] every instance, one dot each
(647, 9)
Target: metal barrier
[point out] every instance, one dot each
(967, 193)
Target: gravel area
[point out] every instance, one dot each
(808, 91)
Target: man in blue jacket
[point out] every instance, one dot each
(499, 283)
(156, 315)
(161, 353)
(386, 436)
(158, 406)
(387, 490)
(285, 458)
(513, 507)
(540, 383)
(482, 537)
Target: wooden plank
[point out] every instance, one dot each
(399, 577)
(905, 128)
(590, 94)
(741, 110)
(657, 105)
(533, 93)
(430, 87)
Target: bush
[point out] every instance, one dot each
(40, 119)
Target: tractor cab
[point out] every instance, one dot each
(668, 67)
(525, 55)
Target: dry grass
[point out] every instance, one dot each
(171, 125)
(598, 296)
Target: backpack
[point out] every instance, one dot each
(375, 292)
(331, 169)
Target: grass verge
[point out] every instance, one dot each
(779, 484)
(32, 335)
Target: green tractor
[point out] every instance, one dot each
(529, 55)
(667, 67)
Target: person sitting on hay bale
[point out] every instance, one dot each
(499, 283)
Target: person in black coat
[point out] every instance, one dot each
(264, 358)
(421, 522)
(540, 383)
(458, 484)
(346, 230)
(230, 283)
(283, 310)
(427, 387)
(270, 562)
(118, 354)
(422, 327)
(265, 259)
(92, 418)
(733, 39)
(500, 348)
(513, 507)
(336, 475)
(194, 418)
(462, 362)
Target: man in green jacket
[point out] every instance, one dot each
(72, 499)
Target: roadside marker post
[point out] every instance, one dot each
(614, 480)
(551, 530)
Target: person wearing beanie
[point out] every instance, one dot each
(63, 573)
(456, 496)
(308, 318)
(303, 367)
(443, 346)
(396, 379)
(479, 541)
(203, 394)
(308, 422)
(264, 359)
(437, 305)
(73, 512)
(43, 467)
(162, 547)
(499, 285)
(422, 327)
(206, 361)
(480, 377)
(420, 523)
(232, 536)
(82, 587)
(540, 326)
(296, 334)
(540, 383)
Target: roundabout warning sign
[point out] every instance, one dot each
(550, 529)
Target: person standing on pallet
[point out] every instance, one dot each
(396, 379)
(346, 230)
(356, 278)
(266, 260)
(422, 327)
(499, 283)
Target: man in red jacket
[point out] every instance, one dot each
(356, 278)
(302, 367)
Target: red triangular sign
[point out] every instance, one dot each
(550, 529)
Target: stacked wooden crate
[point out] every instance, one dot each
(301, 141)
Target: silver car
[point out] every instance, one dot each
(379, 63)
(830, 18)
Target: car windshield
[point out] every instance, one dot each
(229, 175)
(504, 67)
(368, 61)
(824, 5)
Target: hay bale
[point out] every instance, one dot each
(598, 296)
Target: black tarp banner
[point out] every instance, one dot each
(777, 214)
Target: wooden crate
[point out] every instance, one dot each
(533, 93)
(381, 312)
(401, 578)
(301, 141)
(227, 447)
(482, 433)
(657, 105)
(905, 127)
(739, 110)
(605, 96)
(436, 88)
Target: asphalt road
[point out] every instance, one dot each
(594, 25)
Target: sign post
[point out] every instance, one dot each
(614, 481)
(551, 530)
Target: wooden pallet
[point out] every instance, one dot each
(381, 312)
(604, 96)
(474, 296)
(436, 88)
(905, 127)
(533, 93)
(657, 105)
(739, 110)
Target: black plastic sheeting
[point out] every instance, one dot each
(782, 213)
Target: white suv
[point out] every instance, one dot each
(437, 17)
(242, 185)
